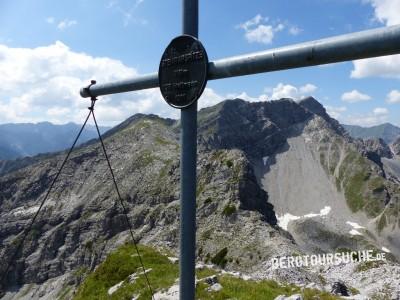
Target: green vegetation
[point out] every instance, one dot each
(34, 234)
(64, 293)
(81, 271)
(205, 272)
(206, 234)
(27, 290)
(384, 294)
(235, 177)
(354, 291)
(200, 188)
(353, 191)
(122, 263)
(236, 288)
(366, 265)
(142, 124)
(322, 279)
(376, 185)
(382, 222)
(343, 250)
(362, 190)
(219, 258)
(144, 158)
(229, 210)
(165, 169)
(159, 140)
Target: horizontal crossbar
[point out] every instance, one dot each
(363, 44)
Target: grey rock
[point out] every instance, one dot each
(211, 280)
(339, 288)
(396, 146)
(292, 297)
(215, 287)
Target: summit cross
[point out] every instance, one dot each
(182, 77)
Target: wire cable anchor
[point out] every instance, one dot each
(92, 98)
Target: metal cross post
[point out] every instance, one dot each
(365, 44)
(190, 24)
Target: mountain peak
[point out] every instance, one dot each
(311, 104)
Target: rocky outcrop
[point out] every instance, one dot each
(312, 105)
(239, 143)
(375, 149)
(81, 222)
(396, 147)
(258, 129)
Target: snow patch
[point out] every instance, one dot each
(355, 225)
(134, 276)
(355, 232)
(202, 266)
(173, 259)
(265, 160)
(25, 211)
(325, 211)
(386, 250)
(283, 221)
(114, 288)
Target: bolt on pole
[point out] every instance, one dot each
(190, 15)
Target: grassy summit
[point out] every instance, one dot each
(122, 263)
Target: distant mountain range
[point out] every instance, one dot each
(388, 132)
(27, 139)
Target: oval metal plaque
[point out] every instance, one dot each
(182, 74)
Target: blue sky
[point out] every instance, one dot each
(49, 49)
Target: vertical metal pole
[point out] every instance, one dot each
(188, 173)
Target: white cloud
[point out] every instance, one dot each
(355, 96)
(307, 89)
(245, 96)
(257, 31)
(384, 66)
(335, 112)
(261, 34)
(43, 84)
(386, 12)
(393, 97)
(290, 91)
(50, 20)
(209, 98)
(66, 23)
(252, 22)
(378, 111)
(294, 30)
(378, 116)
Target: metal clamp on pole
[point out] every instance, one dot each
(87, 91)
